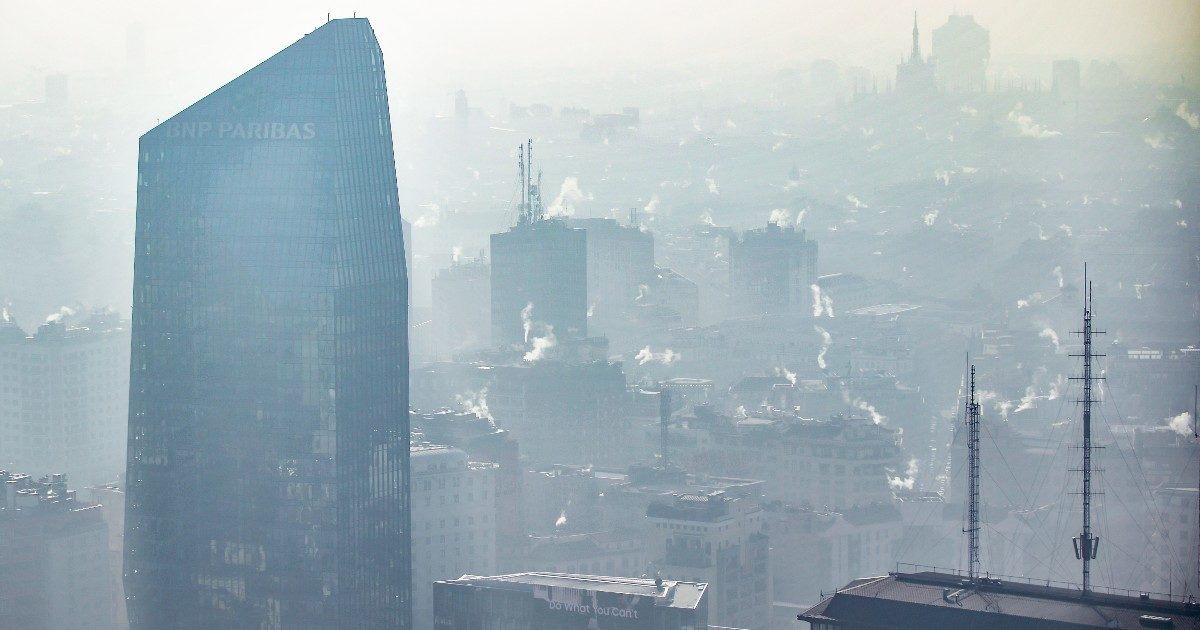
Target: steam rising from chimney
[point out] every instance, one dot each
(1048, 333)
(666, 357)
(1181, 424)
(822, 302)
(826, 341)
(910, 477)
(62, 313)
(476, 403)
(527, 319)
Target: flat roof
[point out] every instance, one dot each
(673, 594)
(934, 599)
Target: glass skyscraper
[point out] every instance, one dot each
(268, 409)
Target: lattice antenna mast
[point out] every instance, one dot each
(972, 529)
(1087, 545)
(523, 207)
(664, 421)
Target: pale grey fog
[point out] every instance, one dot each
(600, 315)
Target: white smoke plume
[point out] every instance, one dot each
(562, 516)
(780, 216)
(456, 253)
(1029, 129)
(930, 217)
(666, 357)
(476, 403)
(652, 205)
(706, 218)
(1058, 276)
(1158, 141)
(527, 319)
(1048, 333)
(1192, 119)
(910, 476)
(855, 201)
(822, 302)
(876, 417)
(569, 194)
(541, 345)
(826, 341)
(788, 374)
(1053, 391)
(62, 313)
(1181, 424)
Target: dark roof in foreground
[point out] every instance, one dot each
(943, 600)
(672, 593)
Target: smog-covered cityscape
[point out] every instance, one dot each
(663, 316)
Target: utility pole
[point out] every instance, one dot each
(972, 529)
(1087, 545)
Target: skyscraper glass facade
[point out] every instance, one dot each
(268, 411)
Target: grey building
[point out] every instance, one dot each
(720, 541)
(560, 601)
(771, 271)
(539, 282)
(620, 267)
(54, 559)
(461, 296)
(961, 49)
(267, 481)
(65, 394)
(931, 599)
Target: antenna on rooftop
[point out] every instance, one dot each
(1087, 545)
(523, 206)
(972, 529)
(664, 420)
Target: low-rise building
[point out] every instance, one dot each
(722, 542)
(559, 601)
(453, 521)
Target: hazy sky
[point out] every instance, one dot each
(442, 44)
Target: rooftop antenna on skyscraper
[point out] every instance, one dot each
(916, 51)
(972, 529)
(1087, 545)
(522, 207)
(541, 210)
(664, 421)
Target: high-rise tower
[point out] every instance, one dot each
(268, 407)
(539, 272)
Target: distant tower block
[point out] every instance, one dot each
(771, 271)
